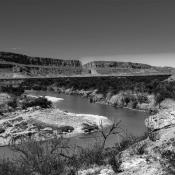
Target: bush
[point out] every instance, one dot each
(86, 157)
(142, 99)
(169, 165)
(41, 102)
(8, 167)
(13, 103)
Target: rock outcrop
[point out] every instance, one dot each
(146, 156)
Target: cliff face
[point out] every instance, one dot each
(12, 64)
(120, 68)
(18, 65)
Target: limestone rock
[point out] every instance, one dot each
(160, 120)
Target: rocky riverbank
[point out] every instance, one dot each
(150, 155)
(124, 99)
(43, 124)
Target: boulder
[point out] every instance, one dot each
(89, 127)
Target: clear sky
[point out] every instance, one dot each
(121, 30)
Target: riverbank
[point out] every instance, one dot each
(147, 157)
(123, 99)
(43, 124)
(153, 155)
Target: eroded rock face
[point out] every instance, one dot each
(164, 118)
(160, 120)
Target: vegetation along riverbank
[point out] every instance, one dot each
(151, 154)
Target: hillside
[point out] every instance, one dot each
(12, 64)
(18, 65)
(122, 68)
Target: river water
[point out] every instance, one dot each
(132, 121)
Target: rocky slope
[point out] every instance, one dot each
(149, 156)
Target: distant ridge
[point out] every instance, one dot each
(121, 68)
(20, 65)
(14, 64)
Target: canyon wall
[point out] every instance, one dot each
(14, 65)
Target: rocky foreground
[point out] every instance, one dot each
(147, 157)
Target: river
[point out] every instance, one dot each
(132, 121)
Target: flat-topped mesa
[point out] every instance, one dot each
(37, 66)
(114, 67)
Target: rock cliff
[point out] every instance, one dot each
(12, 64)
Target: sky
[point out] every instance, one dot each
(121, 30)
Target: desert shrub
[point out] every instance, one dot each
(41, 101)
(102, 84)
(13, 103)
(140, 148)
(126, 99)
(169, 164)
(154, 136)
(115, 162)
(56, 156)
(142, 98)
(125, 143)
(88, 156)
(8, 167)
(152, 111)
(41, 157)
(17, 91)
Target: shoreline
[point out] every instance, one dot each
(98, 101)
(45, 123)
